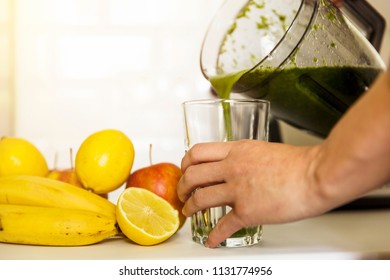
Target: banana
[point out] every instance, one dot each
(41, 191)
(53, 226)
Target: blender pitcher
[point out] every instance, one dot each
(303, 56)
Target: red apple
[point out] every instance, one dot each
(65, 175)
(161, 179)
(68, 176)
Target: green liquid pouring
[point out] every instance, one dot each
(223, 84)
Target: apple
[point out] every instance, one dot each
(68, 176)
(65, 175)
(161, 179)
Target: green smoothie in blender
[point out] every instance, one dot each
(303, 94)
(301, 55)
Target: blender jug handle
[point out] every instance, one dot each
(366, 19)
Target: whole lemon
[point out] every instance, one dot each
(104, 160)
(20, 157)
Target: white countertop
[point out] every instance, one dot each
(337, 235)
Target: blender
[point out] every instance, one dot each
(307, 57)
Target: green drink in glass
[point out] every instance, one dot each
(221, 120)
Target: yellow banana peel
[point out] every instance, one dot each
(46, 192)
(53, 226)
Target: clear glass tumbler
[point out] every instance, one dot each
(221, 120)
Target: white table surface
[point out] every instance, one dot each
(336, 235)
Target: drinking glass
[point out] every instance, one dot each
(221, 120)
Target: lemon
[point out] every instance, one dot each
(20, 157)
(146, 218)
(104, 160)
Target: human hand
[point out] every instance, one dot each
(264, 183)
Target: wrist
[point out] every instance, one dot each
(331, 177)
(321, 180)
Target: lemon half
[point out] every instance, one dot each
(146, 218)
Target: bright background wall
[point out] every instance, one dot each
(83, 65)
(72, 67)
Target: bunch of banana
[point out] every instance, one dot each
(42, 211)
(53, 226)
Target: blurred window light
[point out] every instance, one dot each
(94, 57)
(84, 12)
(4, 11)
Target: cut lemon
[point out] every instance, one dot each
(146, 218)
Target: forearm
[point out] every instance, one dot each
(355, 158)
